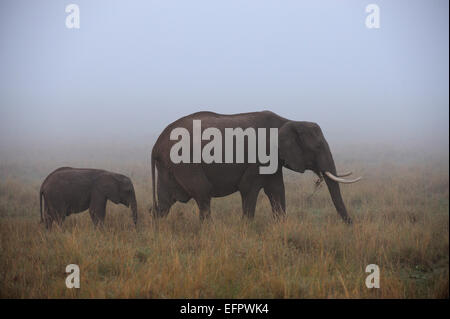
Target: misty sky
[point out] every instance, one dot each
(135, 66)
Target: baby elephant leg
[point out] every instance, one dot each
(97, 208)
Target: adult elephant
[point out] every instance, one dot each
(301, 146)
(70, 190)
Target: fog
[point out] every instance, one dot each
(135, 66)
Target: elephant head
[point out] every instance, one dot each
(302, 146)
(119, 189)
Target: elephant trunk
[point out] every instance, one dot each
(335, 192)
(133, 206)
(333, 188)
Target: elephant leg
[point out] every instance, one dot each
(165, 186)
(169, 191)
(60, 217)
(249, 187)
(164, 206)
(274, 189)
(249, 199)
(48, 219)
(277, 201)
(53, 214)
(195, 184)
(204, 206)
(59, 213)
(97, 208)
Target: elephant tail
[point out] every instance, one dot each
(153, 184)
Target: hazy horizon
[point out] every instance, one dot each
(134, 67)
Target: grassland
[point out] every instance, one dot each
(401, 223)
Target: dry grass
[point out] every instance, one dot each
(400, 213)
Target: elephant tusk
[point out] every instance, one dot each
(342, 180)
(345, 174)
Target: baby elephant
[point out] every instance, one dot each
(70, 190)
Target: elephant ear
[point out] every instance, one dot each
(290, 151)
(108, 186)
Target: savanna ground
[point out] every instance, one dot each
(401, 223)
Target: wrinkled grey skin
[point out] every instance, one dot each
(70, 190)
(302, 146)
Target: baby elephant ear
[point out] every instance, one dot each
(109, 187)
(290, 151)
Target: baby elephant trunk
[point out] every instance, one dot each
(133, 207)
